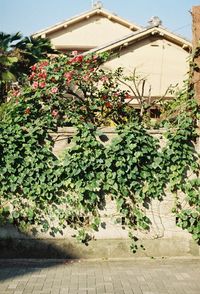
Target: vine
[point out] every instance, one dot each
(40, 191)
(182, 163)
(133, 176)
(84, 173)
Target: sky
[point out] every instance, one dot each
(30, 16)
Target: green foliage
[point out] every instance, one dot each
(134, 163)
(29, 175)
(189, 219)
(84, 173)
(132, 175)
(40, 191)
(29, 51)
(17, 55)
(180, 158)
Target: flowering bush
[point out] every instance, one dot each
(74, 89)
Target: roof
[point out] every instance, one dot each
(96, 11)
(142, 34)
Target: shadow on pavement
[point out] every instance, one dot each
(16, 268)
(21, 253)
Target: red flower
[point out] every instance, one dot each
(53, 79)
(33, 67)
(27, 110)
(54, 112)
(104, 97)
(108, 104)
(43, 63)
(54, 90)
(43, 75)
(78, 58)
(128, 96)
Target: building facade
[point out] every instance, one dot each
(155, 54)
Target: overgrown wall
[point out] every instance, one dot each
(164, 238)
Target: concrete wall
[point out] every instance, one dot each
(164, 238)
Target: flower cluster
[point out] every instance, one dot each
(75, 88)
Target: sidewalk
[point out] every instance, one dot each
(135, 276)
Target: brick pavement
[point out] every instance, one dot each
(134, 276)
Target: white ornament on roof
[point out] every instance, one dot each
(97, 5)
(155, 21)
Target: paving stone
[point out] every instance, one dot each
(91, 291)
(101, 277)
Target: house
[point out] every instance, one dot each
(153, 53)
(88, 30)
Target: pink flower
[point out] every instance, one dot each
(54, 90)
(42, 84)
(116, 94)
(16, 93)
(31, 76)
(54, 112)
(86, 78)
(68, 76)
(104, 79)
(75, 52)
(79, 58)
(35, 85)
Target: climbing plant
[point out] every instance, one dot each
(181, 162)
(84, 173)
(40, 191)
(133, 175)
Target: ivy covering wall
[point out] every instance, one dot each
(42, 192)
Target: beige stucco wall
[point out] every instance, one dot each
(90, 32)
(161, 62)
